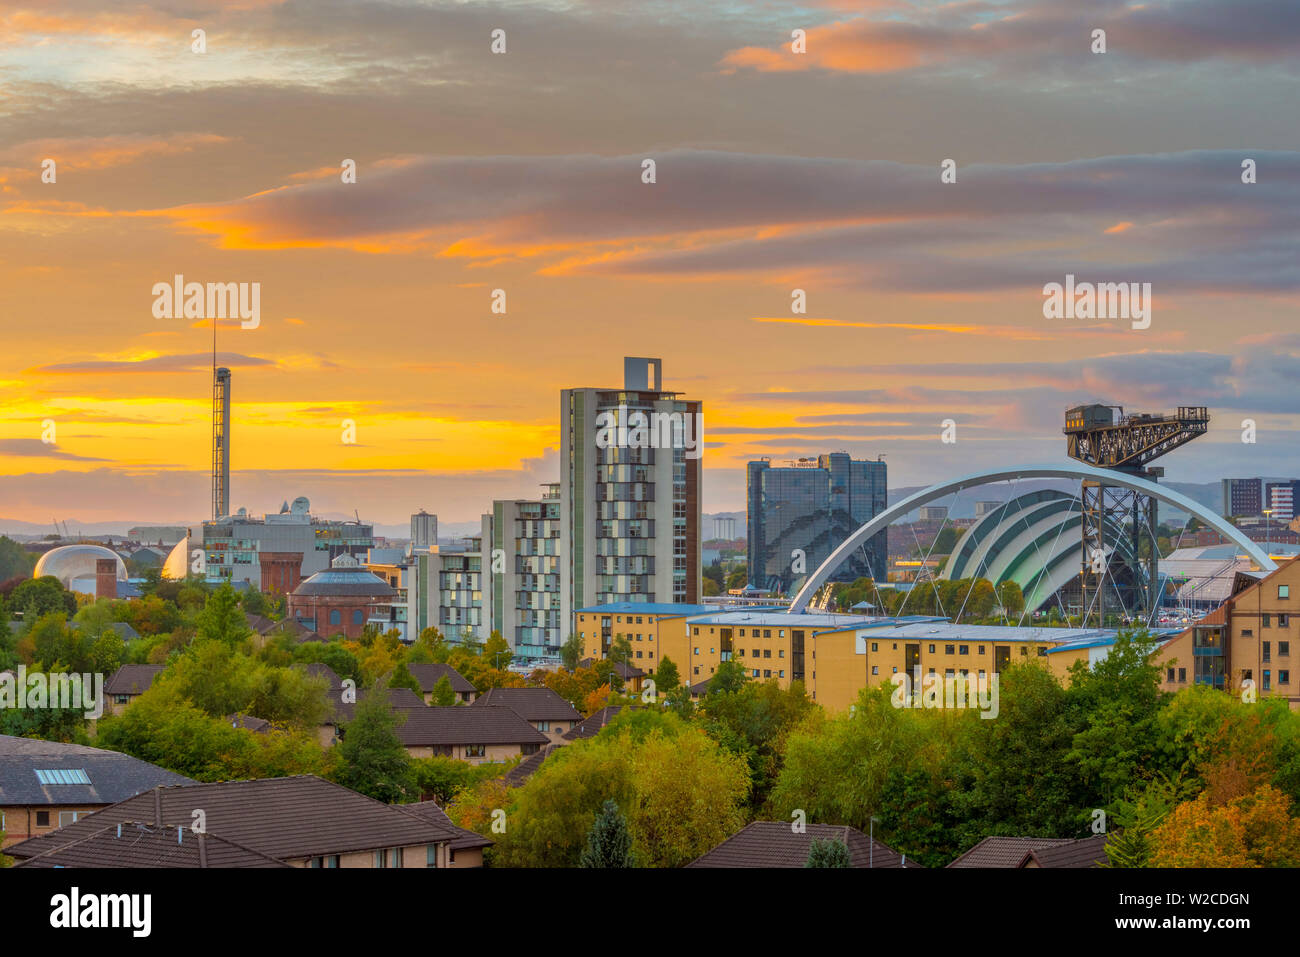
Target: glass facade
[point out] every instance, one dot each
(812, 507)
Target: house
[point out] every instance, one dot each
(477, 734)
(124, 630)
(1006, 851)
(590, 727)
(525, 769)
(401, 700)
(430, 674)
(128, 683)
(301, 821)
(540, 707)
(700, 689)
(777, 844)
(46, 785)
(258, 725)
(1085, 852)
(632, 676)
(463, 848)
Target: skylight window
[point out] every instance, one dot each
(63, 776)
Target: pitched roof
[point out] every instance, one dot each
(132, 844)
(590, 727)
(399, 699)
(318, 669)
(452, 725)
(1005, 851)
(124, 630)
(776, 844)
(283, 818)
(621, 668)
(1085, 852)
(531, 704)
(430, 674)
(113, 776)
(525, 769)
(260, 725)
(132, 679)
(457, 837)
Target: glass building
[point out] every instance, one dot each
(801, 511)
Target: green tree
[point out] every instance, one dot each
(444, 695)
(571, 652)
(620, 650)
(828, 853)
(496, 651)
(372, 759)
(42, 596)
(402, 678)
(221, 618)
(609, 843)
(15, 561)
(666, 675)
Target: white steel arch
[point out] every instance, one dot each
(1073, 471)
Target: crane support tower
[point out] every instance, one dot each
(1104, 436)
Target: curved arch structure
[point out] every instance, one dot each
(1072, 471)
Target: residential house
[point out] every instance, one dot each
(778, 844)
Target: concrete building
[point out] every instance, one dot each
(233, 545)
(1242, 497)
(526, 575)
(800, 511)
(424, 531)
(630, 485)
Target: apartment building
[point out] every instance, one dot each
(630, 482)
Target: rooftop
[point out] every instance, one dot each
(109, 776)
(531, 704)
(776, 844)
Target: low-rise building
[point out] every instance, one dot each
(778, 844)
(542, 708)
(428, 675)
(127, 683)
(301, 821)
(46, 785)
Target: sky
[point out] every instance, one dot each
(524, 171)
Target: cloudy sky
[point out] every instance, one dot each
(522, 171)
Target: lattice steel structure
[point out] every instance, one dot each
(220, 443)
(1098, 436)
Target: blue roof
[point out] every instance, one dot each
(649, 608)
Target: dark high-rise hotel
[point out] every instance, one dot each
(812, 506)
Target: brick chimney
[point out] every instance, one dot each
(106, 578)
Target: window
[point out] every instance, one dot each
(767, 652)
(529, 748)
(949, 649)
(543, 726)
(357, 617)
(780, 674)
(1284, 649)
(875, 669)
(475, 750)
(389, 858)
(1182, 676)
(697, 651)
(1283, 591)
(875, 646)
(431, 855)
(1283, 678)
(1268, 679)
(932, 648)
(963, 649)
(336, 617)
(1247, 633)
(330, 861)
(767, 673)
(755, 672)
(1268, 651)
(1264, 620)
(68, 817)
(63, 776)
(981, 650)
(740, 652)
(948, 673)
(742, 633)
(42, 818)
(121, 698)
(1283, 620)
(780, 652)
(1170, 676)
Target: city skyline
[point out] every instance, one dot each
(924, 299)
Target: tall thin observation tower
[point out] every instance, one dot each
(220, 443)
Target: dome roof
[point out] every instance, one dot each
(70, 562)
(177, 565)
(344, 580)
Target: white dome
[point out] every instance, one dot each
(70, 562)
(177, 565)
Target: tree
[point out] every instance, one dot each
(828, 853)
(666, 676)
(1011, 598)
(571, 652)
(620, 650)
(401, 677)
(443, 694)
(222, 618)
(15, 560)
(497, 651)
(1254, 830)
(41, 596)
(372, 759)
(730, 676)
(609, 843)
